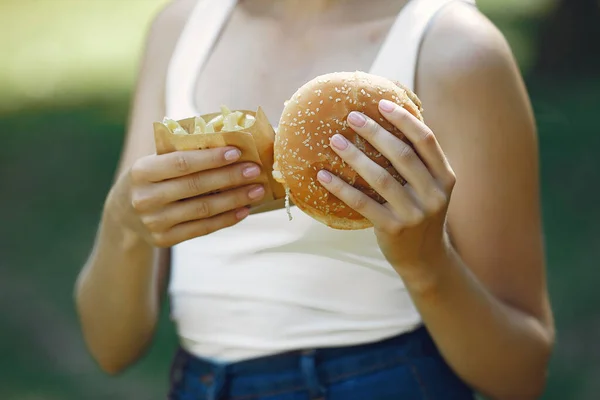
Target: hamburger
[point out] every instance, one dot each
(317, 111)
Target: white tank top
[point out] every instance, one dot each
(268, 284)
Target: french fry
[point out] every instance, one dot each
(174, 126)
(249, 131)
(199, 125)
(227, 121)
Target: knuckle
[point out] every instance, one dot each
(229, 176)
(203, 228)
(441, 198)
(202, 209)
(358, 202)
(353, 156)
(181, 163)
(404, 152)
(153, 223)
(215, 157)
(436, 200)
(426, 136)
(137, 171)
(450, 180)
(194, 184)
(232, 199)
(337, 184)
(383, 178)
(402, 116)
(416, 217)
(140, 202)
(394, 228)
(160, 239)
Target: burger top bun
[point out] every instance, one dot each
(318, 110)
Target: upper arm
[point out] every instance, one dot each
(476, 104)
(148, 99)
(148, 103)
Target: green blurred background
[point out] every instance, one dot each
(66, 76)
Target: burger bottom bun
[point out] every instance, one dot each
(316, 112)
(341, 223)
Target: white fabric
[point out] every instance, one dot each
(268, 285)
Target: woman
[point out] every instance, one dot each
(433, 304)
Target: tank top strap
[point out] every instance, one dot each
(398, 56)
(195, 43)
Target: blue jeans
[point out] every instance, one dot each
(407, 366)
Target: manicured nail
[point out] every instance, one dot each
(242, 213)
(251, 172)
(339, 142)
(256, 193)
(357, 119)
(232, 155)
(324, 176)
(386, 106)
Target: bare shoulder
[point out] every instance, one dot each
(467, 76)
(463, 43)
(477, 105)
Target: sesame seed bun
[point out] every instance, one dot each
(318, 110)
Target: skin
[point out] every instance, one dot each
(467, 223)
(464, 233)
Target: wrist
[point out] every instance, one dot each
(428, 273)
(119, 212)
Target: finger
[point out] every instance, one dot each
(189, 230)
(422, 138)
(203, 207)
(378, 214)
(205, 182)
(156, 168)
(404, 159)
(379, 179)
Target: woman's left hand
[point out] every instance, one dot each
(410, 225)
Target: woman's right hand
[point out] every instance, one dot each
(171, 194)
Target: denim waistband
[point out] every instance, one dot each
(310, 369)
(415, 343)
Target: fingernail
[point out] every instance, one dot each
(251, 172)
(324, 176)
(242, 213)
(386, 106)
(357, 119)
(232, 155)
(256, 193)
(339, 142)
